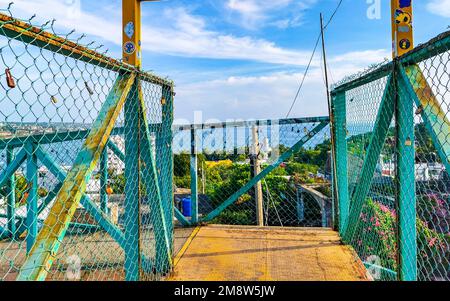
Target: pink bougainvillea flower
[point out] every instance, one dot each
(384, 208)
(432, 242)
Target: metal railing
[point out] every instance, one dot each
(254, 172)
(392, 156)
(81, 193)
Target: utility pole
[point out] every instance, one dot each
(324, 55)
(256, 169)
(330, 113)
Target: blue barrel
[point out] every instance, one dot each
(186, 205)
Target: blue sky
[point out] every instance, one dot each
(243, 58)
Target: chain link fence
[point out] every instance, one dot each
(82, 196)
(392, 153)
(224, 158)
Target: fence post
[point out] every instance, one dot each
(167, 159)
(225, 134)
(104, 180)
(406, 184)
(236, 141)
(32, 198)
(334, 211)
(194, 178)
(11, 202)
(132, 185)
(131, 15)
(300, 204)
(340, 128)
(247, 138)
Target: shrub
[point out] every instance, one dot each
(376, 235)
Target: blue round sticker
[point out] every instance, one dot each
(129, 48)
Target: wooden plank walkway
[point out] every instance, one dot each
(229, 253)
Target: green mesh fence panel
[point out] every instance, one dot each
(296, 193)
(374, 243)
(82, 195)
(431, 79)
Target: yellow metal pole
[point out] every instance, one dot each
(402, 27)
(131, 48)
(131, 32)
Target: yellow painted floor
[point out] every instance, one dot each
(228, 253)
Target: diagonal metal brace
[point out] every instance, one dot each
(150, 179)
(12, 168)
(380, 132)
(434, 117)
(44, 251)
(181, 218)
(232, 199)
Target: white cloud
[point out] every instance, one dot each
(361, 57)
(182, 34)
(190, 37)
(187, 35)
(439, 7)
(268, 96)
(254, 14)
(70, 17)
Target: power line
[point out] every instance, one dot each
(311, 59)
(304, 77)
(333, 14)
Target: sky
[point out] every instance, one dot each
(244, 59)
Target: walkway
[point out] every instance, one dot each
(233, 253)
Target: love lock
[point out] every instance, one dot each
(9, 79)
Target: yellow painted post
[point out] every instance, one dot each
(131, 42)
(131, 32)
(402, 27)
